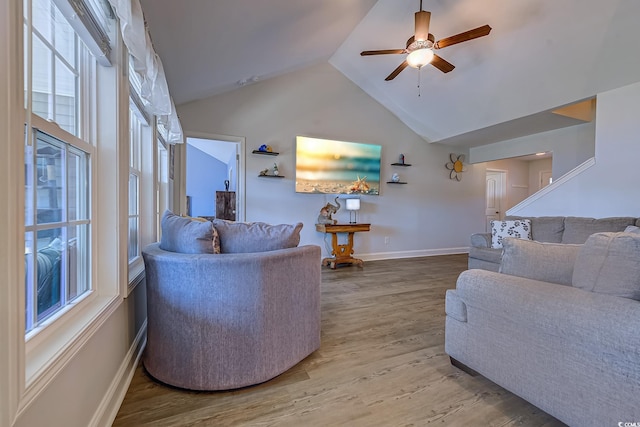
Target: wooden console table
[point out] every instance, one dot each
(342, 253)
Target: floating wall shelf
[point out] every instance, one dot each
(400, 164)
(265, 153)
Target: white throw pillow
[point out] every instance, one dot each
(632, 229)
(517, 228)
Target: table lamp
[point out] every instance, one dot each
(353, 206)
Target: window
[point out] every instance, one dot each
(142, 179)
(57, 166)
(55, 57)
(136, 125)
(162, 184)
(57, 237)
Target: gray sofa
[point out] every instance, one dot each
(550, 229)
(219, 321)
(558, 327)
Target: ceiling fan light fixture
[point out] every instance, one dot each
(420, 57)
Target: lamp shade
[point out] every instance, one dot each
(352, 204)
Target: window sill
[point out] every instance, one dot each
(49, 349)
(136, 274)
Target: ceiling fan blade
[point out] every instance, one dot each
(382, 52)
(397, 71)
(463, 37)
(422, 25)
(442, 64)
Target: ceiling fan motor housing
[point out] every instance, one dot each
(414, 44)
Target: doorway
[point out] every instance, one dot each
(546, 178)
(214, 177)
(495, 196)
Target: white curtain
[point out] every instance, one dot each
(147, 64)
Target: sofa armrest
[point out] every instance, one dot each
(481, 240)
(604, 324)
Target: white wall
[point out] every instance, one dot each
(570, 146)
(610, 186)
(431, 214)
(535, 167)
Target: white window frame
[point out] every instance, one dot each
(136, 139)
(47, 351)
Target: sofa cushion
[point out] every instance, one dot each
(548, 262)
(486, 254)
(243, 237)
(186, 235)
(545, 228)
(518, 228)
(632, 229)
(609, 263)
(578, 229)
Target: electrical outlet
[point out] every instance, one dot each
(387, 239)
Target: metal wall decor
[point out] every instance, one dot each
(455, 166)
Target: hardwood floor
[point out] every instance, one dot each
(381, 363)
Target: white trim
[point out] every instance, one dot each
(554, 185)
(51, 363)
(108, 408)
(136, 274)
(12, 119)
(412, 254)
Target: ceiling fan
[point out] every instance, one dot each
(421, 45)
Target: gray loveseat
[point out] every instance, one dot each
(550, 229)
(226, 320)
(559, 326)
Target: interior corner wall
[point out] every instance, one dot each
(431, 214)
(571, 146)
(610, 186)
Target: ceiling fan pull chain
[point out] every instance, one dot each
(419, 73)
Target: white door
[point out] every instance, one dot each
(495, 196)
(545, 179)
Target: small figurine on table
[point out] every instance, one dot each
(325, 217)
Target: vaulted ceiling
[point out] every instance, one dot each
(540, 55)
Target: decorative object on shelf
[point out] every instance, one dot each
(401, 161)
(265, 149)
(264, 173)
(456, 166)
(359, 185)
(353, 206)
(395, 177)
(327, 212)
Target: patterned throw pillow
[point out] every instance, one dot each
(518, 228)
